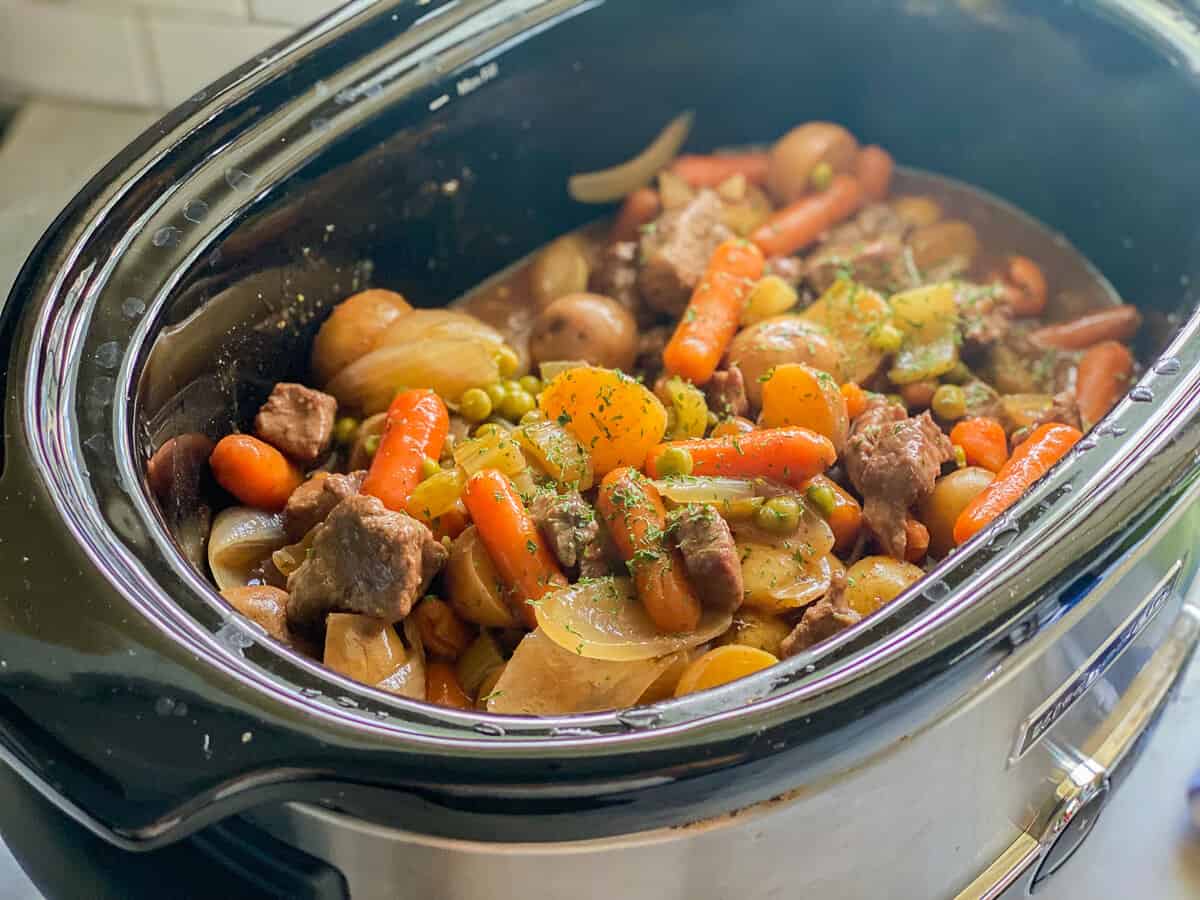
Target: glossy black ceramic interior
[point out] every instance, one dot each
(422, 147)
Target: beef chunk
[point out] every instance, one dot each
(567, 522)
(709, 555)
(893, 461)
(983, 316)
(870, 248)
(676, 251)
(298, 421)
(311, 502)
(651, 343)
(365, 559)
(616, 274)
(726, 392)
(822, 620)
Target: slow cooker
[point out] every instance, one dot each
(960, 743)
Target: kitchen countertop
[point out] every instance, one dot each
(49, 151)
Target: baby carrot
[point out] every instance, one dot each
(732, 427)
(512, 540)
(254, 471)
(789, 454)
(983, 441)
(1117, 323)
(1103, 376)
(1029, 295)
(711, 318)
(1029, 462)
(416, 427)
(844, 516)
(709, 171)
(799, 224)
(855, 397)
(640, 207)
(632, 510)
(442, 687)
(873, 167)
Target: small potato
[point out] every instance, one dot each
(352, 330)
(752, 628)
(263, 604)
(918, 210)
(796, 394)
(783, 339)
(918, 394)
(874, 581)
(561, 268)
(473, 585)
(852, 314)
(776, 580)
(794, 156)
(589, 327)
(951, 494)
(617, 419)
(362, 647)
(950, 247)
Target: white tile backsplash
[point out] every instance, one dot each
(216, 9)
(292, 12)
(192, 54)
(76, 52)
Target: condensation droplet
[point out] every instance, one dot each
(133, 307)
(348, 702)
(1067, 488)
(310, 692)
(181, 709)
(196, 211)
(319, 124)
(167, 236)
(489, 729)
(108, 355)
(1086, 444)
(164, 706)
(1168, 365)
(642, 717)
(238, 180)
(573, 732)
(233, 637)
(1141, 394)
(1001, 539)
(99, 392)
(810, 668)
(382, 714)
(937, 590)
(97, 443)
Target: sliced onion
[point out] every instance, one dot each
(601, 618)
(409, 679)
(555, 367)
(437, 324)
(241, 539)
(707, 489)
(448, 366)
(290, 557)
(543, 679)
(612, 184)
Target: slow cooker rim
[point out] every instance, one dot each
(552, 728)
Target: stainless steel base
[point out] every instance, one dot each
(991, 785)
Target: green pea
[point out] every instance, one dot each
(429, 467)
(345, 430)
(530, 383)
(779, 515)
(887, 338)
(960, 456)
(371, 444)
(516, 404)
(949, 402)
(507, 361)
(475, 405)
(496, 393)
(822, 175)
(823, 498)
(675, 461)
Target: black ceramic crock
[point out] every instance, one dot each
(422, 146)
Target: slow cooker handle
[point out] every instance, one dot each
(1067, 817)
